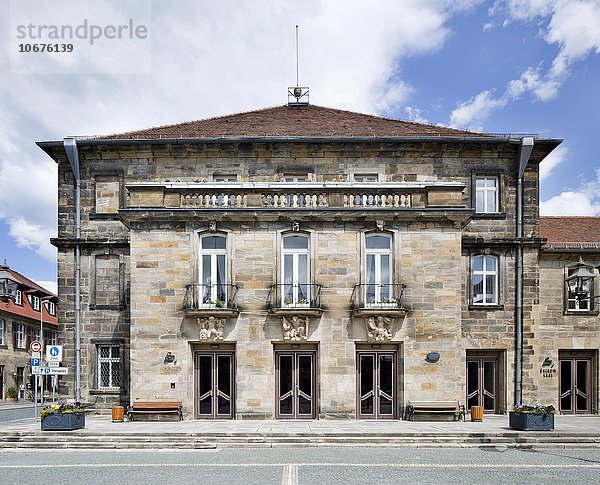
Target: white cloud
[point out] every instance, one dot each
(471, 114)
(556, 157)
(571, 25)
(208, 58)
(49, 285)
(583, 201)
(415, 114)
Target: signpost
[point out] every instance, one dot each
(36, 349)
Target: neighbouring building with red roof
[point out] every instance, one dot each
(21, 321)
(306, 262)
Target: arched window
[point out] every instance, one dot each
(296, 270)
(485, 280)
(378, 268)
(213, 270)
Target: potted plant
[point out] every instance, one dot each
(219, 303)
(62, 417)
(12, 393)
(532, 417)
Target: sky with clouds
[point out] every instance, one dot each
(510, 66)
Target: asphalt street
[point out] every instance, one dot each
(293, 465)
(22, 412)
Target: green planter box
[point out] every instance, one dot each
(63, 422)
(531, 422)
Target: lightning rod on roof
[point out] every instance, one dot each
(297, 95)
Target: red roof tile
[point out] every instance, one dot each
(25, 309)
(571, 232)
(295, 121)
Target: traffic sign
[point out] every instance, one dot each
(54, 353)
(56, 371)
(53, 364)
(36, 355)
(35, 346)
(35, 362)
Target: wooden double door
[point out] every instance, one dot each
(575, 382)
(376, 385)
(483, 381)
(295, 385)
(214, 383)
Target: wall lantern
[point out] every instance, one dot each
(170, 358)
(578, 281)
(432, 357)
(8, 285)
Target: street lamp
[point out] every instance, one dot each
(580, 281)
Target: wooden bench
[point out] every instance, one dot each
(155, 407)
(434, 407)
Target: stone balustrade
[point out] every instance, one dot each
(276, 196)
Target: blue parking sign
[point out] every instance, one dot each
(35, 362)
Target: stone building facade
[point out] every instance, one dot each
(302, 262)
(20, 319)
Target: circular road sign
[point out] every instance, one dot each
(35, 346)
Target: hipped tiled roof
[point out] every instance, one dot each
(295, 121)
(571, 232)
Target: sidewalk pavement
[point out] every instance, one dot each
(588, 425)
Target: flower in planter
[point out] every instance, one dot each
(534, 409)
(65, 408)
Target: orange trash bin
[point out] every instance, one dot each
(476, 413)
(118, 414)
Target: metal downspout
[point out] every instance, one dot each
(70, 145)
(525, 150)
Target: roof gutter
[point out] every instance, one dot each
(525, 149)
(70, 145)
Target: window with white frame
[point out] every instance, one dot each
(2, 332)
(109, 367)
(51, 308)
(295, 270)
(213, 271)
(19, 330)
(486, 194)
(36, 334)
(485, 280)
(34, 301)
(580, 301)
(294, 179)
(365, 177)
(19, 297)
(378, 269)
(53, 338)
(223, 178)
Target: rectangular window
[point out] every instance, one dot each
(19, 331)
(19, 298)
(51, 308)
(109, 367)
(366, 177)
(35, 302)
(53, 338)
(486, 195)
(108, 195)
(378, 269)
(295, 178)
(36, 334)
(223, 178)
(2, 332)
(485, 280)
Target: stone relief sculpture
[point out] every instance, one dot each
(211, 328)
(379, 328)
(295, 327)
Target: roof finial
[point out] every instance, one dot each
(295, 94)
(4, 264)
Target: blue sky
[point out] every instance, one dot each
(514, 66)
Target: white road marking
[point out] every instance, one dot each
(290, 475)
(311, 464)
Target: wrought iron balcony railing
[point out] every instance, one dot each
(294, 298)
(211, 298)
(372, 298)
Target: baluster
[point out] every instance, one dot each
(295, 201)
(244, 201)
